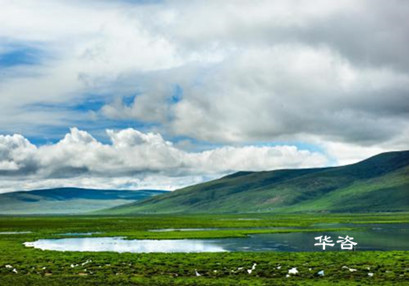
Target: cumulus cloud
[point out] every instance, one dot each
(135, 160)
(298, 68)
(290, 91)
(286, 71)
(16, 155)
(236, 74)
(285, 92)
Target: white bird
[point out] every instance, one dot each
(197, 273)
(293, 271)
(370, 274)
(252, 268)
(15, 270)
(352, 270)
(9, 266)
(321, 273)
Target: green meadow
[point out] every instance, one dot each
(20, 265)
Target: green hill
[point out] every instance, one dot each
(380, 183)
(67, 200)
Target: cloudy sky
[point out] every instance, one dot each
(162, 94)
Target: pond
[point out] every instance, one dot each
(119, 244)
(372, 237)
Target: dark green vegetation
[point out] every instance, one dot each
(36, 267)
(67, 200)
(380, 183)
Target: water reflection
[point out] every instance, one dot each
(371, 237)
(119, 244)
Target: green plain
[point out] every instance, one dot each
(37, 267)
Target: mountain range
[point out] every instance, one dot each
(378, 184)
(68, 200)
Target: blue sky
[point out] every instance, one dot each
(15, 56)
(261, 86)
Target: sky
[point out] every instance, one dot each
(164, 94)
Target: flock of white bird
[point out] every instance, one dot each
(291, 271)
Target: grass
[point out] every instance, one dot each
(36, 267)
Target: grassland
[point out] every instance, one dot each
(37, 267)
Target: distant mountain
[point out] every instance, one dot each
(380, 183)
(68, 200)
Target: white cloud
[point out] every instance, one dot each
(270, 56)
(335, 75)
(16, 153)
(350, 153)
(84, 48)
(290, 91)
(135, 160)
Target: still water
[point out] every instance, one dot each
(372, 237)
(119, 244)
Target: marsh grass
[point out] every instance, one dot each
(37, 267)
